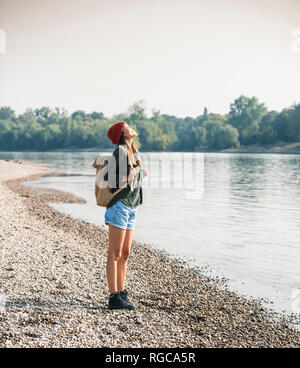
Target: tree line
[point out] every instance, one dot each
(247, 122)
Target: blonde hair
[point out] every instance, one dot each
(132, 151)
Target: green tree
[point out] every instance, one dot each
(220, 135)
(198, 137)
(43, 115)
(96, 115)
(79, 115)
(267, 131)
(293, 127)
(137, 111)
(227, 137)
(245, 115)
(66, 129)
(7, 113)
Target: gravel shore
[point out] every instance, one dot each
(53, 289)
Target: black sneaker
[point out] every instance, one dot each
(117, 302)
(124, 296)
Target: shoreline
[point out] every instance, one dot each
(277, 148)
(62, 302)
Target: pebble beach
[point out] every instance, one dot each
(53, 289)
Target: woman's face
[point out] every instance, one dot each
(129, 131)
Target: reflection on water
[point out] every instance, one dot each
(246, 225)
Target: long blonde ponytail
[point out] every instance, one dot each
(132, 152)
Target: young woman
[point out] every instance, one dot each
(121, 211)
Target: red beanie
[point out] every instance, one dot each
(114, 132)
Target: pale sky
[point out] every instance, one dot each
(177, 55)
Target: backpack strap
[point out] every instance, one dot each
(102, 161)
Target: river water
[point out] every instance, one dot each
(243, 222)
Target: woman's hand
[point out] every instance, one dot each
(131, 173)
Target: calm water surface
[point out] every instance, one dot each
(245, 226)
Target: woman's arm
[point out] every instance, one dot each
(118, 168)
(131, 175)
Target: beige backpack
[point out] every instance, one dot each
(102, 190)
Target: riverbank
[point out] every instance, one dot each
(54, 291)
(279, 147)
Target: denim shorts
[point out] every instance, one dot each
(121, 215)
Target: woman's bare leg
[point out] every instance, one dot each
(115, 243)
(122, 261)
